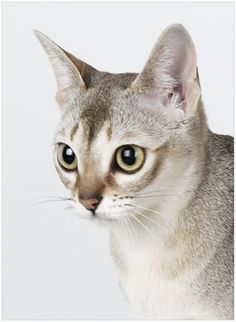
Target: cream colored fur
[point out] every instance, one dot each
(171, 223)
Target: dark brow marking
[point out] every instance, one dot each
(73, 131)
(109, 132)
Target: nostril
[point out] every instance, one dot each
(95, 204)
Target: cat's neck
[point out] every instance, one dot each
(158, 231)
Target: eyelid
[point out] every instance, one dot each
(57, 143)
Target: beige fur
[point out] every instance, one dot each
(171, 222)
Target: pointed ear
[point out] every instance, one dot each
(70, 72)
(171, 69)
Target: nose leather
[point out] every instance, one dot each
(91, 203)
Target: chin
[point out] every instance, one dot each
(111, 216)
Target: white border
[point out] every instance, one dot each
(52, 1)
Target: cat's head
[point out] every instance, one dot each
(124, 137)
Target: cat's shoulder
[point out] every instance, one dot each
(221, 146)
(220, 161)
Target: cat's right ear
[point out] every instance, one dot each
(71, 73)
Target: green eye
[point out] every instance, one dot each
(130, 158)
(66, 157)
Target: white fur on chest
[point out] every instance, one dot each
(151, 296)
(156, 297)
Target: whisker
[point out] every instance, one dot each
(153, 221)
(128, 229)
(157, 190)
(150, 219)
(129, 224)
(148, 196)
(43, 200)
(48, 197)
(35, 202)
(144, 226)
(123, 222)
(123, 225)
(149, 209)
(155, 212)
(157, 223)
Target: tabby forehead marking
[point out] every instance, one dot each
(93, 117)
(74, 130)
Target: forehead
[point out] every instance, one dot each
(99, 102)
(107, 106)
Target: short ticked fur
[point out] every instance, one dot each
(171, 222)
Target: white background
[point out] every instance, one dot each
(56, 266)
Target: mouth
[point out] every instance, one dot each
(110, 214)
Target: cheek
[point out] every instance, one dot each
(139, 180)
(69, 179)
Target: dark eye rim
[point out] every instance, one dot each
(60, 164)
(115, 167)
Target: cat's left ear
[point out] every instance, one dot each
(71, 73)
(170, 73)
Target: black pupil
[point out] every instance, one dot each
(129, 155)
(68, 155)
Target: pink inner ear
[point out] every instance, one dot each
(153, 100)
(164, 97)
(168, 78)
(166, 103)
(181, 90)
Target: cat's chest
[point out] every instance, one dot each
(156, 297)
(150, 295)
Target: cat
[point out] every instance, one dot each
(136, 153)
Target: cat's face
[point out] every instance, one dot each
(116, 144)
(111, 155)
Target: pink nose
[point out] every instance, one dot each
(90, 204)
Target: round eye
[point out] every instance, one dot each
(66, 157)
(130, 158)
